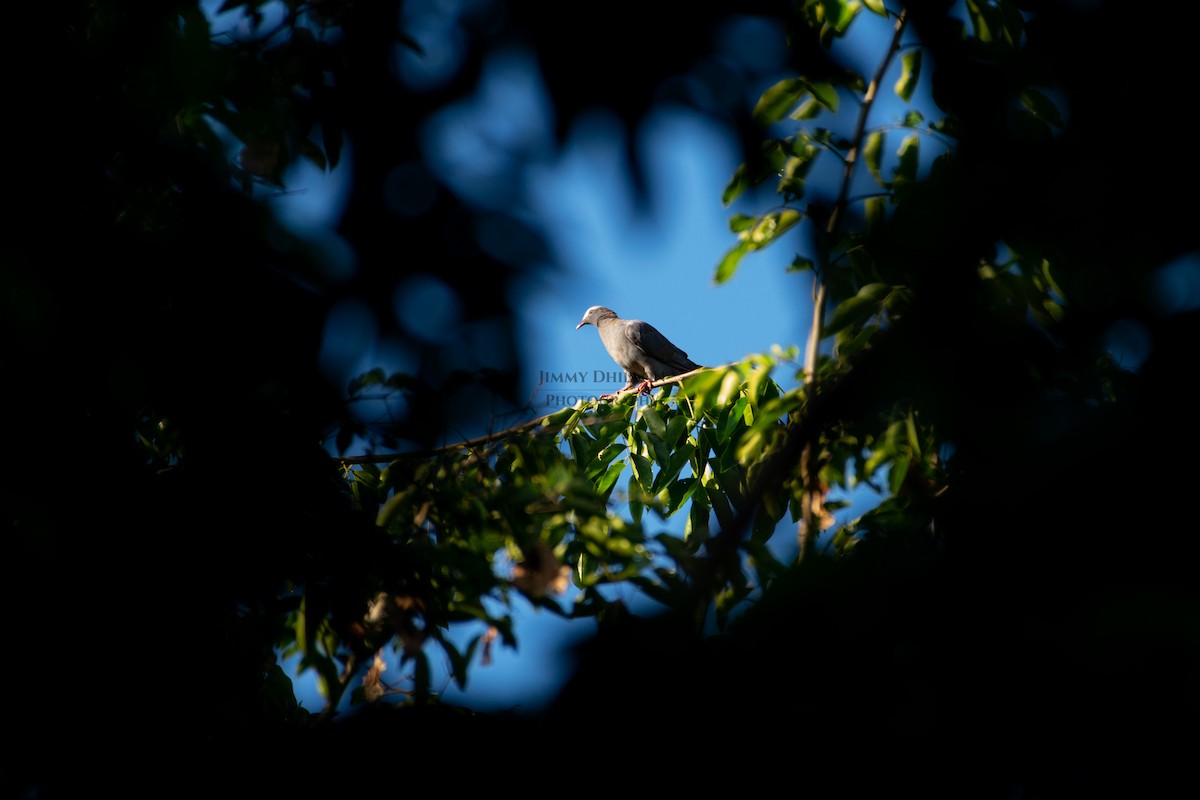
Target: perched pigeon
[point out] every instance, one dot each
(638, 348)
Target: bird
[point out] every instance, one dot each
(638, 348)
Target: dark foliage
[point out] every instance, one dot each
(1050, 647)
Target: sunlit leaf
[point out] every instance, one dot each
(729, 263)
(909, 155)
(771, 226)
(730, 384)
(910, 74)
(840, 13)
(809, 108)
(825, 93)
(741, 222)
(702, 388)
(873, 155)
(778, 100)
(737, 184)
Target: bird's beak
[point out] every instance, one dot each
(580, 325)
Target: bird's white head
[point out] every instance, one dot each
(593, 316)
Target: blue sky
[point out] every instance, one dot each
(653, 261)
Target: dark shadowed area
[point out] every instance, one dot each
(1047, 646)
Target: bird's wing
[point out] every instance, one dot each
(646, 338)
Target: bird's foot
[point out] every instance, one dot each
(644, 387)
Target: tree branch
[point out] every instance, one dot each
(490, 438)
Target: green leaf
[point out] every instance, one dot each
(643, 471)
(778, 100)
(737, 184)
(825, 93)
(771, 226)
(838, 16)
(702, 388)
(735, 415)
(654, 422)
(372, 378)
(678, 492)
(857, 309)
(909, 154)
(741, 222)
(801, 264)
(979, 21)
(1041, 107)
(849, 343)
(914, 441)
(876, 7)
(556, 419)
(898, 472)
(600, 463)
(696, 530)
(809, 108)
(910, 73)
(583, 447)
(678, 461)
(609, 478)
(731, 384)
(675, 430)
(720, 506)
(729, 263)
(873, 155)
(876, 210)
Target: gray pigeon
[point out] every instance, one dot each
(638, 348)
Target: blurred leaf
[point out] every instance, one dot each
(778, 100)
(839, 14)
(873, 155)
(1041, 107)
(857, 309)
(770, 227)
(737, 184)
(801, 264)
(741, 222)
(729, 263)
(826, 93)
(809, 108)
(910, 74)
(909, 153)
